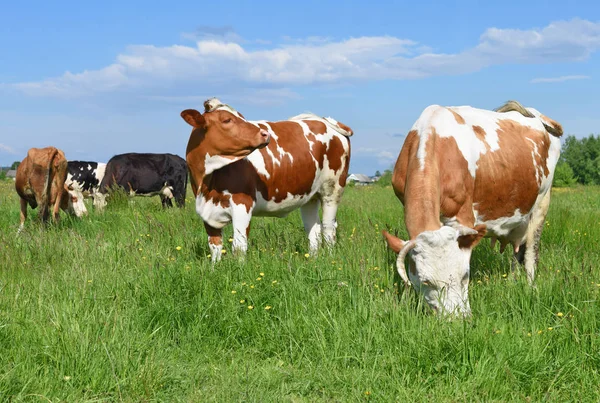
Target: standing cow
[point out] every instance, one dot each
(148, 175)
(241, 168)
(40, 181)
(85, 178)
(464, 173)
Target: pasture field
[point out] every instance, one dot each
(125, 306)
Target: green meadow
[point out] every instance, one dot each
(125, 305)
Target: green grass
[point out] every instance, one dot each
(107, 309)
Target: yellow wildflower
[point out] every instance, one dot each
(560, 314)
(267, 307)
(178, 248)
(550, 328)
(306, 255)
(242, 301)
(233, 291)
(230, 240)
(262, 274)
(250, 307)
(224, 251)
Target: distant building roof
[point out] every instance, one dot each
(12, 173)
(359, 178)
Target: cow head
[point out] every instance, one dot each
(72, 201)
(221, 135)
(439, 266)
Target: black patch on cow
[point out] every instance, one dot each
(147, 174)
(83, 172)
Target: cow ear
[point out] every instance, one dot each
(471, 240)
(193, 118)
(394, 243)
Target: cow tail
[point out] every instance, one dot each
(46, 193)
(554, 128)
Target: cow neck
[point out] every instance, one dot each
(422, 195)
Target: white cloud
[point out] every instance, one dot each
(558, 79)
(7, 149)
(218, 60)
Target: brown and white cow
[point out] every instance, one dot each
(40, 181)
(240, 168)
(464, 173)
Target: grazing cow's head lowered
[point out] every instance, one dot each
(221, 135)
(464, 173)
(439, 266)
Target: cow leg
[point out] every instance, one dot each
(532, 240)
(330, 207)
(23, 214)
(215, 242)
(329, 222)
(312, 224)
(56, 207)
(166, 201)
(241, 227)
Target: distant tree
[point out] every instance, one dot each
(583, 156)
(377, 173)
(386, 178)
(15, 165)
(2, 174)
(563, 175)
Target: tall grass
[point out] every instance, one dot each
(125, 306)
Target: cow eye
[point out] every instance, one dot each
(228, 120)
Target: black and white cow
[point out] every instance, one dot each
(85, 177)
(148, 175)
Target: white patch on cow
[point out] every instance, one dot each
(213, 214)
(241, 221)
(81, 168)
(89, 167)
(442, 120)
(99, 172)
(75, 204)
(167, 191)
(442, 271)
(215, 251)
(511, 228)
(257, 160)
(214, 162)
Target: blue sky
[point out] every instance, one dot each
(101, 79)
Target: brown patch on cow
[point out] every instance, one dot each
(317, 148)
(215, 235)
(456, 182)
(40, 181)
(471, 241)
(418, 189)
(459, 119)
(243, 199)
(344, 174)
(287, 177)
(480, 133)
(506, 179)
(335, 153)
(316, 127)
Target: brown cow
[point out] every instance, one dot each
(40, 182)
(464, 173)
(301, 163)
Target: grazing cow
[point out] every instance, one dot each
(240, 168)
(464, 173)
(85, 177)
(148, 175)
(40, 181)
